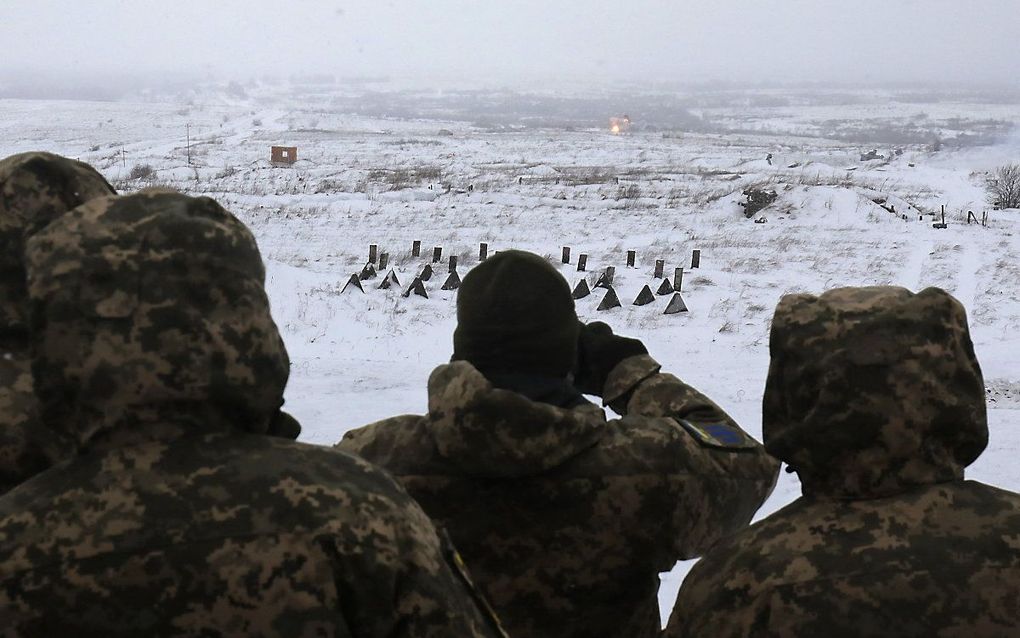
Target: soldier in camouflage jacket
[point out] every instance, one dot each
(35, 189)
(875, 398)
(186, 513)
(565, 518)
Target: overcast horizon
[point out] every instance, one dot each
(736, 41)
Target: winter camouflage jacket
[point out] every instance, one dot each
(875, 398)
(35, 189)
(566, 519)
(183, 514)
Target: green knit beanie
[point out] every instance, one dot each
(515, 314)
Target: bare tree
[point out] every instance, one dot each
(1003, 186)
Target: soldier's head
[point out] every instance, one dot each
(148, 303)
(515, 314)
(35, 189)
(873, 390)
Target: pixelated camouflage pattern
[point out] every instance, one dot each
(225, 534)
(871, 390)
(941, 561)
(26, 447)
(875, 397)
(180, 517)
(35, 189)
(150, 300)
(566, 519)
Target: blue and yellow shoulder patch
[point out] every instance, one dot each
(718, 435)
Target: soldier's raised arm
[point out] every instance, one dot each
(723, 475)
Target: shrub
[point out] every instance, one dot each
(757, 199)
(630, 191)
(226, 172)
(141, 171)
(1003, 187)
(399, 178)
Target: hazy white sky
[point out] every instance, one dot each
(785, 40)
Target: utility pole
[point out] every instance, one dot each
(188, 126)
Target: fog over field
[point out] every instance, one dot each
(474, 42)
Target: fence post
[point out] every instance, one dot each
(437, 254)
(483, 251)
(678, 279)
(582, 262)
(659, 265)
(631, 255)
(696, 259)
(566, 255)
(416, 248)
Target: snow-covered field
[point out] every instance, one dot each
(364, 179)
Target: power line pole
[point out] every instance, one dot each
(188, 126)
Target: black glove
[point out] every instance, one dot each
(284, 426)
(598, 352)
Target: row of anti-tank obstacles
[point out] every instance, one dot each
(377, 262)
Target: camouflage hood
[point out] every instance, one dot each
(491, 432)
(150, 306)
(872, 391)
(35, 189)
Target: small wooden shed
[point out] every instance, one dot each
(283, 155)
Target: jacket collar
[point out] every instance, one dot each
(488, 431)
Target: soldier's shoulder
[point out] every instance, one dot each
(334, 464)
(396, 428)
(400, 438)
(270, 472)
(950, 520)
(942, 538)
(1009, 500)
(974, 511)
(668, 444)
(755, 558)
(205, 488)
(933, 534)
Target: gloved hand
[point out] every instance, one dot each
(598, 352)
(284, 426)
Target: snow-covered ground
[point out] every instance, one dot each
(360, 180)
